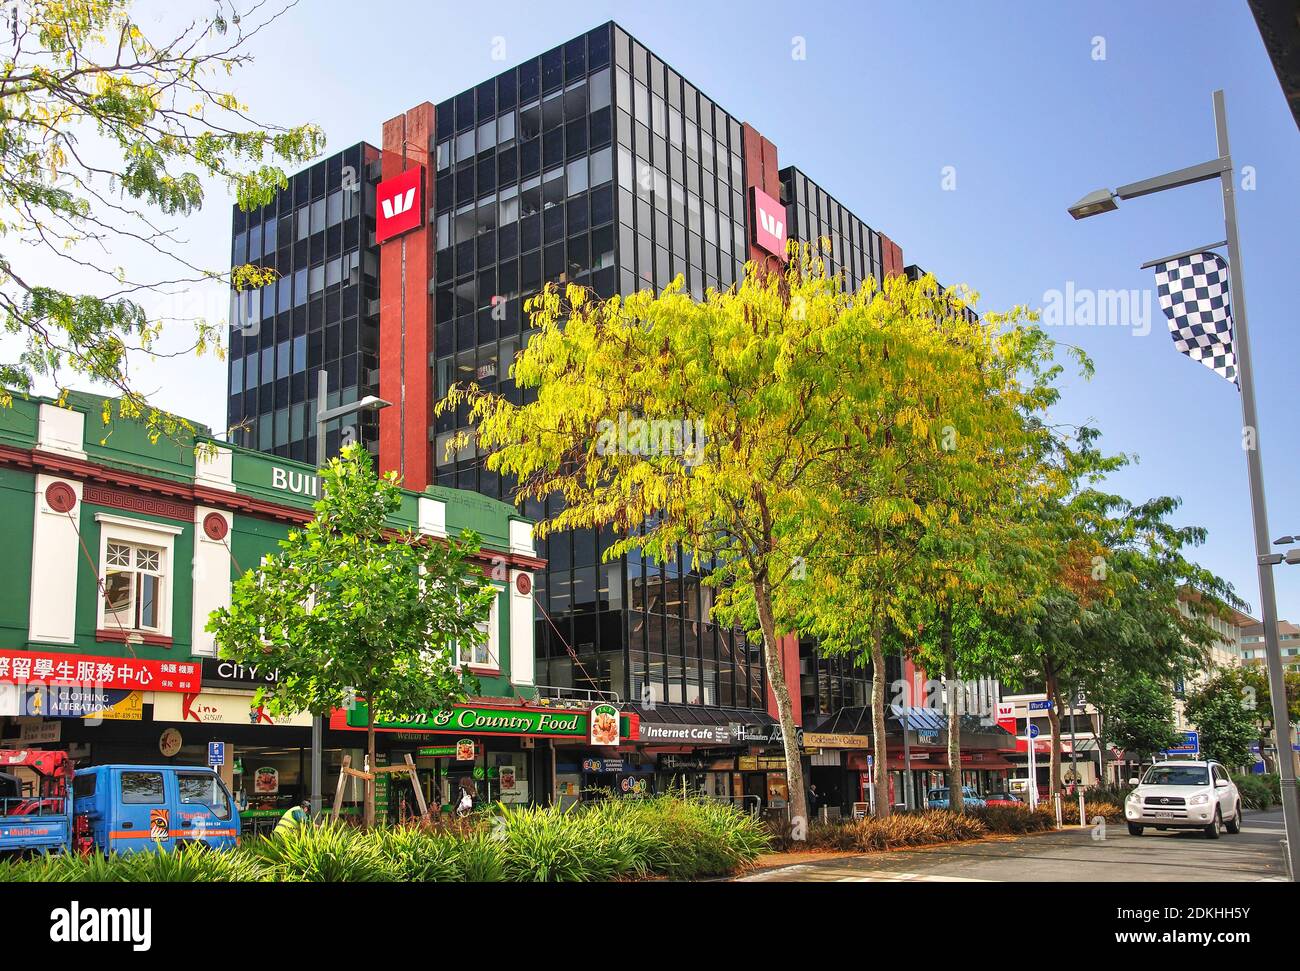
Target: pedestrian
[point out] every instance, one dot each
(813, 797)
(464, 801)
(293, 818)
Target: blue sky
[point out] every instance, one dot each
(1011, 99)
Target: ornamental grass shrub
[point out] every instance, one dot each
(615, 839)
(1259, 792)
(1070, 810)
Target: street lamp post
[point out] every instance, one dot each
(1104, 200)
(325, 415)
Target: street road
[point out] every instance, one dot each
(1070, 855)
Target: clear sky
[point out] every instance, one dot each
(962, 130)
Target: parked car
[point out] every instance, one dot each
(1184, 795)
(938, 798)
(114, 808)
(1002, 799)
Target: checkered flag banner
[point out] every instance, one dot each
(1193, 293)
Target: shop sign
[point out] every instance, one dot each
(266, 781)
(761, 734)
(1006, 716)
(214, 709)
(602, 765)
(835, 740)
(465, 750)
(401, 204)
(436, 751)
(760, 763)
(37, 731)
(604, 725)
(769, 223)
(76, 701)
(685, 734)
(169, 742)
(132, 674)
(928, 735)
(633, 786)
(543, 722)
(231, 674)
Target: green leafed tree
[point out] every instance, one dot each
(351, 608)
(110, 129)
(1260, 703)
(1222, 710)
(1139, 715)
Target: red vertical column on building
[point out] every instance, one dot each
(406, 311)
(891, 256)
(788, 647)
(762, 172)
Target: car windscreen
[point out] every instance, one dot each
(1177, 775)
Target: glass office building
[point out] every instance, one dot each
(594, 163)
(597, 164)
(321, 313)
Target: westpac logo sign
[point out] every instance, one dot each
(769, 223)
(401, 204)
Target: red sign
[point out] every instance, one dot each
(401, 204)
(132, 674)
(769, 222)
(1007, 716)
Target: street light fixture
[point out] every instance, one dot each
(1103, 200)
(324, 416)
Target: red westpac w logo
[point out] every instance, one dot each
(401, 205)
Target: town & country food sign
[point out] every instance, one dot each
(542, 722)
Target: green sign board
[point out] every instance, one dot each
(557, 723)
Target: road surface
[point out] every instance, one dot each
(1070, 855)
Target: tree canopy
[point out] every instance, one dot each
(351, 608)
(110, 134)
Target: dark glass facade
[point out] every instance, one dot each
(813, 215)
(320, 313)
(594, 164)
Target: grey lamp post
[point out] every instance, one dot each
(1104, 200)
(324, 416)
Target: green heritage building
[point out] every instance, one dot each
(116, 551)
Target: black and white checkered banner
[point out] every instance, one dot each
(1193, 293)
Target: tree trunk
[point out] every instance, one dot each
(777, 678)
(880, 771)
(1053, 719)
(956, 798)
(369, 817)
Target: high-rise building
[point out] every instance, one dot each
(321, 313)
(595, 163)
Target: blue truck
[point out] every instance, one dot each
(110, 808)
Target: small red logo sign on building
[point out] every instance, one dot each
(401, 204)
(769, 223)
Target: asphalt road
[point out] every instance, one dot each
(1069, 855)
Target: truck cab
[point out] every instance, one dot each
(142, 807)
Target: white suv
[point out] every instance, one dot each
(1184, 795)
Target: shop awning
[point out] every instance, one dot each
(699, 715)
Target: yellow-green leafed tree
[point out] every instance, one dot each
(113, 126)
(760, 430)
(948, 456)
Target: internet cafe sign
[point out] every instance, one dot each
(536, 722)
